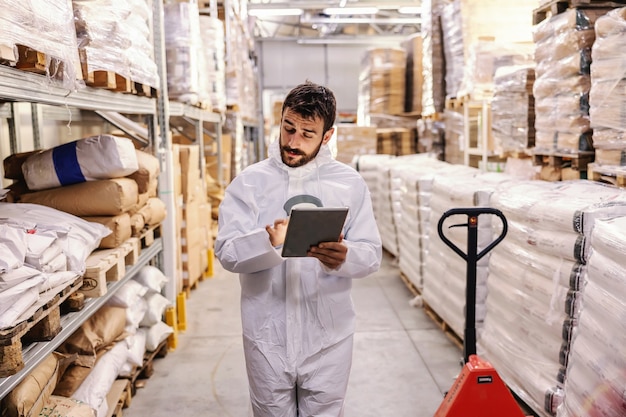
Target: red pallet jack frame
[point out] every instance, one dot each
(478, 391)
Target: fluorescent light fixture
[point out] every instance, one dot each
(410, 10)
(363, 40)
(350, 10)
(364, 20)
(275, 12)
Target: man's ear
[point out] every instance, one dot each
(328, 135)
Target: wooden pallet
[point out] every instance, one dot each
(149, 234)
(119, 397)
(555, 166)
(108, 265)
(108, 80)
(41, 322)
(7, 54)
(435, 117)
(555, 7)
(455, 103)
(409, 285)
(445, 327)
(31, 60)
(608, 174)
(145, 371)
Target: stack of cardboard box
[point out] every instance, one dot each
(193, 215)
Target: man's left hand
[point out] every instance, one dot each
(331, 254)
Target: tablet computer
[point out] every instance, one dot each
(309, 226)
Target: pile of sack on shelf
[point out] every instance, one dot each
(110, 344)
(42, 250)
(92, 193)
(101, 179)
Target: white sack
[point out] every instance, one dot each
(89, 159)
(94, 389)
(12, 247)
(16, 276)
(12, 307)
(82, 236)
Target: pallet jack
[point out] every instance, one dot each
(478, 391)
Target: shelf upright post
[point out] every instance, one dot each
(14, 127)
(163, 149)
(37, 119)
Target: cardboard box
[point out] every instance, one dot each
(355, 140)
(395, 141)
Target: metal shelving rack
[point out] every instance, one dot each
(19, 86)
(36, 352)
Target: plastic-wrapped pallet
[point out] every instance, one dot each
(43, 27)
(596, 373)
(535, 282)
(375, 171)
(444, 271)
(513, 108)
(381, 83)
(397, 194)
(183, 47)
(433, 94)
(415, 187)
(563, 56)
(607, 94)
(116, 36)
(212, 32)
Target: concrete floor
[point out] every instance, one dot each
(403, 362)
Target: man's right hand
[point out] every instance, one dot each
(277, 232)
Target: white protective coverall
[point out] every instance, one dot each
(297, 315)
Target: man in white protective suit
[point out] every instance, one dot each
(297, 313)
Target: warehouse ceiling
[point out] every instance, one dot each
(335, 21)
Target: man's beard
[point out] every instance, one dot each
(305, 158)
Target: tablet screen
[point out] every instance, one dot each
(309, 226)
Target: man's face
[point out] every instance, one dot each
(300, 138)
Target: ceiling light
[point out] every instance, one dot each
(275, 12)
(350, 10)
(410, 10)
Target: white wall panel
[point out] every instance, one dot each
(287, 64)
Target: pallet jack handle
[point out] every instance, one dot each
(471, 256)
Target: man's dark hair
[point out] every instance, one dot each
(311, 100)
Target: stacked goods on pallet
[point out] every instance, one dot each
(109, 344)
(596, 373)
(433, 94)
(395, 141)
(116, 38)
(606, 96)
(354, 140)
(431, 137)
(40, 37)
(194, 212)
(184, 50)
(452, 27)
(212, 34)
(242, 92)
(102, 179)
(413, 183)
(381, 83)
(414, 76)
(444, 271)
(375, 171)
(42, 251)
(455, 136)
(513, 109)
(563, 56)
(485, 35)
(535, 282)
